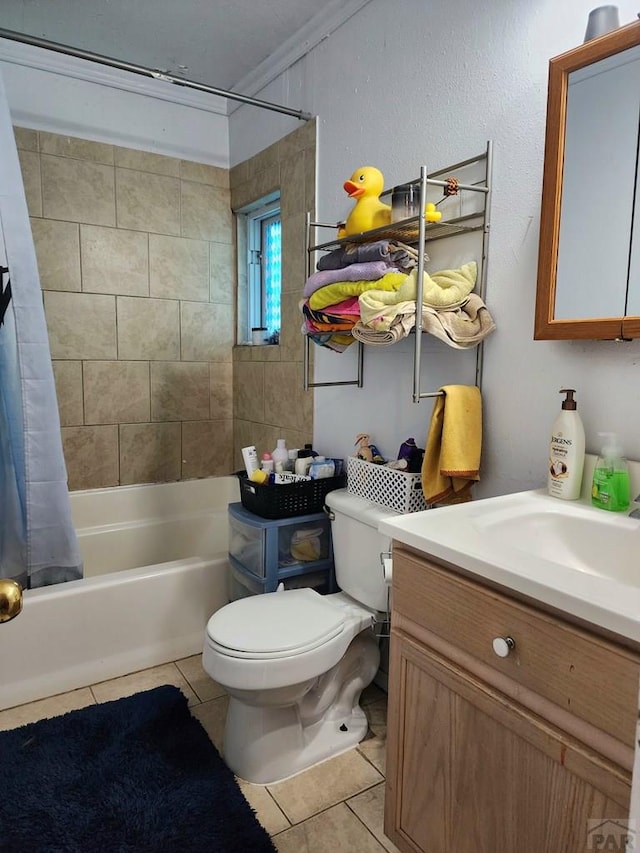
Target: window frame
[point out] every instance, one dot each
(253, 219)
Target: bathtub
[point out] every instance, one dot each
(156, 568)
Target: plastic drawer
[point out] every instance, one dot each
(242, 585)
(266, 547)
(247, 545)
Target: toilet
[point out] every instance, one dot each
(295, 662)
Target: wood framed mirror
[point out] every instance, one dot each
(589, 252)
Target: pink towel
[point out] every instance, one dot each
(347, 306)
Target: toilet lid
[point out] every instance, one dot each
(276, 624)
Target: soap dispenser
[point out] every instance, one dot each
(566, 451)
(611, 488)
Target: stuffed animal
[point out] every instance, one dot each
(367, 451)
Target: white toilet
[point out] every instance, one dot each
(295, 662)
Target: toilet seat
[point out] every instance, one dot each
(298, 622)
(323, 627)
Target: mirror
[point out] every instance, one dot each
(589, 253)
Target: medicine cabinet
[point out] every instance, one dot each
(589, 252)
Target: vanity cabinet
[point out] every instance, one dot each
(516, 754)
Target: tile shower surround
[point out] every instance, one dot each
(137, 266)
(136, 259)
(269, 402)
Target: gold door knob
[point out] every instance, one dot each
(10, 599)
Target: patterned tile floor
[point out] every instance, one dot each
(334, 807)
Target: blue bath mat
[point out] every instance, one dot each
(138, 774)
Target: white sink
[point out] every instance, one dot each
(568, 554)
(576, 536)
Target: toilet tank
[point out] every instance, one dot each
(357, 546)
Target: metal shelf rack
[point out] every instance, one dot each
(417, 232)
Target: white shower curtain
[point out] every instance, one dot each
(38, 544)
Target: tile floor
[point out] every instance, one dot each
(334, 807)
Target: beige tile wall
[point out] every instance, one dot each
(268, 399)
(136, 259)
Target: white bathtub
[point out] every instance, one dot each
(155, 570)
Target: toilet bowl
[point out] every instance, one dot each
(295, 662)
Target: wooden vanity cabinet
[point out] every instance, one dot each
(485, 754)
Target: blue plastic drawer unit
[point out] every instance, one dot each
(265, 552)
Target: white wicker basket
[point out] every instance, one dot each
(393, 489)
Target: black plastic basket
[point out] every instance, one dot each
(287, 500)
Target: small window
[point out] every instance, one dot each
(261, 227)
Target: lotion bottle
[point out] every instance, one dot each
(280, 456)
(566, 451)
(250, 457)
(611, 488)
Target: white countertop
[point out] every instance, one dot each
(462, 535)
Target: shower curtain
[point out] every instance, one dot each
(38, 544)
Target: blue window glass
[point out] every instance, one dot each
(271, 273)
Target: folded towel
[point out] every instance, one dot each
(462, 327)
(382, 339)
(329, 315)
(336, 341)
(452, 455)
(351, 305)
(442, 289)
(356, 272)
(313, 326)
(381, 250)
(339, 290)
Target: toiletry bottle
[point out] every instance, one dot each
(280, 456)
(611, 488)
(291, 462)
(566, 451)
(303, 462)
(267, 463)
(250, 458)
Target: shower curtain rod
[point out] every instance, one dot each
(150, 72)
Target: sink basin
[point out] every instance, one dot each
(582, 538)
(567, 554)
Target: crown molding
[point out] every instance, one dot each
(53, 62)
(320, 27)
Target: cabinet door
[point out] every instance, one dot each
(470, 771)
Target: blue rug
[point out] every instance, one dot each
(138, 774)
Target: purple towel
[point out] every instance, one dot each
(355, 272)
(381, 250)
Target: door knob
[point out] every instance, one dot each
(502, 646)
(10, 599)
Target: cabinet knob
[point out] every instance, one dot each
(502, 646)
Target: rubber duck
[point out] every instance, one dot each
(431, 214)
(365, 185)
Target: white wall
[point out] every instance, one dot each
(409, 82)
(47, 91)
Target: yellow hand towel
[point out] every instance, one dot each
(454, 442)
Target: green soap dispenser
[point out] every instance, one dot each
(611, 487)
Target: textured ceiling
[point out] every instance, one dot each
(217, 42)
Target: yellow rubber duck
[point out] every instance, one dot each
(369, 212)
(431, 214)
